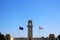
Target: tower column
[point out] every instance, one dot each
(30, 29)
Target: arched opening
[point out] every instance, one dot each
(30, 39)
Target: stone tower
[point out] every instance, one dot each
(8, 37)
(30, 29)
(52, 37)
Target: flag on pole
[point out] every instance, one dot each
(20, 28)
(41, 28)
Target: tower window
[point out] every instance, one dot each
(29, 23)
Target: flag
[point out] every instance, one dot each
(41, 28)
(20, 28)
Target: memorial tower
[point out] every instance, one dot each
(30, 29)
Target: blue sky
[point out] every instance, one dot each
(15, 13)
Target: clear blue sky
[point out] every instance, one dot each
(15, 13)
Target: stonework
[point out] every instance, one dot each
(52, 37)
(8, 37)
(30, 29)
(30, 34)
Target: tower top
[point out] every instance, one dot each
(29, 22)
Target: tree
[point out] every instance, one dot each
(59, 37)
(2, 37)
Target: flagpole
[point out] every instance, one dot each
(21, 28)
(39, 31)
(40, 28)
